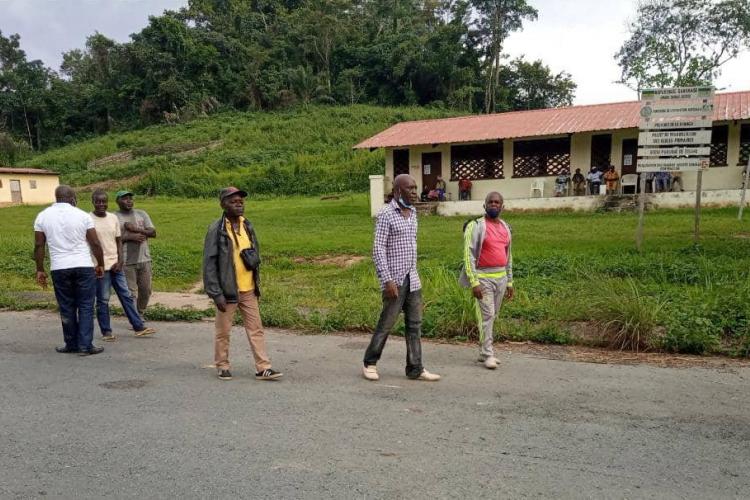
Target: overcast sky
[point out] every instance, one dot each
(577, 36)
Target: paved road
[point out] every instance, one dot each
(146, 419)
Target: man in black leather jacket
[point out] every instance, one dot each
(231, 268)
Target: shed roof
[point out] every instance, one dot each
(538, 122)
(26, 171)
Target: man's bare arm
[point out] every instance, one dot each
(39, 241)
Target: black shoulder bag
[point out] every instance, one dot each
(249, 256)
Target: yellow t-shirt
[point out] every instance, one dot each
(244, 276)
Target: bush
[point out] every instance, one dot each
(451, 311)
(689, 333)
(628, 318)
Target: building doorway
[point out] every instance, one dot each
(400, 162)
(15, 191)
(432, 166)
(629, 156)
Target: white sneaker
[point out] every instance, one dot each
(370, 372)
(428, 377)
(490, 363)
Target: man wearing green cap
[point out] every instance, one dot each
(136, 228)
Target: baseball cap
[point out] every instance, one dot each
(122, 193)
(229, 191)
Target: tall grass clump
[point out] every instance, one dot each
(449, 308)
(628, 318)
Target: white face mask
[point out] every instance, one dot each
(403, 202)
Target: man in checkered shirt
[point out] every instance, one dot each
(395, 256)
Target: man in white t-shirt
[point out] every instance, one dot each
(70, 235)
(108, 230)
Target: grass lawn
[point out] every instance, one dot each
(574, 273)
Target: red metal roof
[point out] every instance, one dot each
(539, 122)
(23, 170)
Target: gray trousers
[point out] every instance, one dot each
(411, 304)
(493, 291)
(139, 284)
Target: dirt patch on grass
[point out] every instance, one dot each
(180, 300)
(111, 184)
(331, 260)
(179, 150)
(197, 287)
(113, 159)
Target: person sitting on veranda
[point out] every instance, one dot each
(464, 189)
(595, 180)
(424, 195)
(579, 183)
(662, 182)
(440, 187)
(611, 177)
(561, 184)
(676, 178)
(433, 195)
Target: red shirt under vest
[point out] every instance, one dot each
(495, 245)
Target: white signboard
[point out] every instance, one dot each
(653, 110)
(681, 93)
(675, 151)
(675, 138)
(671, 164)
(675, 129)
(672, 124)
(427, 169)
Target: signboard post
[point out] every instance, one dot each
(674, 136)
(744, 188)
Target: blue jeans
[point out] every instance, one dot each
(661, 184)
(75, 290)
(116, 280)
(411, 304)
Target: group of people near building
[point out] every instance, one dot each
(440, 188)
(590, 183)
(90, 253)
(437, 193)
(661, 182)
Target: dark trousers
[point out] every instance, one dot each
(75, 291)
(411, 304)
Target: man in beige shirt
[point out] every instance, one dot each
(108, 230)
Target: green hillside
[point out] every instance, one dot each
(307, 150)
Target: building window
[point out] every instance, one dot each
(32, 184)
(477, 161)
(744, 143)
(601, 151)
(541, 157)
(719, 142)
(400, 162)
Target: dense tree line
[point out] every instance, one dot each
(270, 54)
